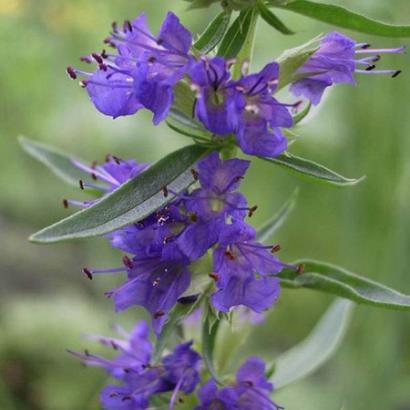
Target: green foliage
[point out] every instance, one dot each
(272, 19)
(312, 170)
(340, 282)
(130, 203)
(237, 35)
(213, 34)
(59, 163)
(342, 17)
(310, 354)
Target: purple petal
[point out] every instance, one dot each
(174, 35)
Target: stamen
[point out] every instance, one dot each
(97, 58)
(398, 50)
(195, 174)
(127, 262)
(300, 269)
(65, 203)
(88, 273)
(275, 248)
(165, 191)
(81, 183)
(252, 211)
(214, 276)
(158, 314)
(71, 73)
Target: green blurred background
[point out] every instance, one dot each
(46, 303)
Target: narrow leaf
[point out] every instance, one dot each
(266, 231)
(271, 18)
(237, 34)
(338, 281)
(213, 34)
(313, 170)
(132, 202)
(317, 348)
(59, 163)
(209, 333)
(342, 17)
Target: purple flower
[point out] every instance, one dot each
(213, 203)
(243, 270)
(336, 61)
(245, 107)
(215, 105)
(139, 380)
(144, 70)
(108, 176)
(261, 115)
(251, 390)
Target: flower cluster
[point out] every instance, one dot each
(161, 249)
(145, 69)
(179, 373)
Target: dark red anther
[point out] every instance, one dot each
(114, 26)
(370, 67)
(152, 60)
(88, 273)
(239, 178)
(127, 262)
(230, 255)
(252, 211)
(109, 42)
(104, 53)
(214, 276)
(195, 174)
(65, 203)
(300, 269)
(94, 177)
(83, 83)
(116, 159)
(94, 164)
(97, 58)
(275, 248)
(113, 394)
(396, 73)
(158, 314)
(165, 191)
(103, 67)
(364, 46)
(81, 183)
(126, 398)
(71, 72)
(160, 41)
(114, 345)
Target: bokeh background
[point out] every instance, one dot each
(46, 303)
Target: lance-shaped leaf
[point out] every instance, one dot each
(209, 332)
(340, 282)
(213, 34)
(342, 17)
(302, 114)
(271, 226)
(317, 348)
(237, 35)
(313, 170)
(272, 19)
(132, 202)
(59, 163)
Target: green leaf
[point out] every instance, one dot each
(237, 35)
(266, 231)
(131, 202)
(312, 169)
(209, 333)
(59, 163)
(184, 101)
(293, 59)
(271, 18)
(317, 348)
(342, 17)
(340, 282)
(213, 34)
